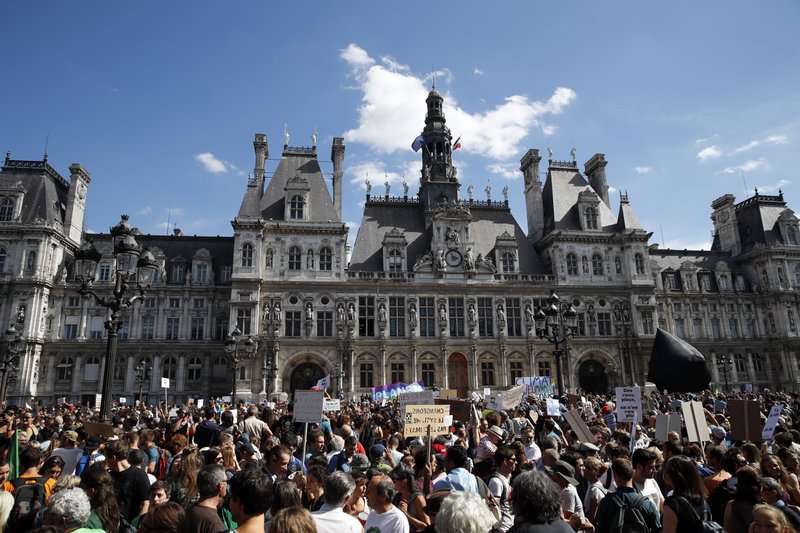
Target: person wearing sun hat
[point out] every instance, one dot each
(69, 451)
(563, 474)
(484, 453)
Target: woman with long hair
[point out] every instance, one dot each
(772, 466)
(183, 477)
(165, 518)
(685, 509)
(410, 499)
(739, 511)
(313, 496)
(52, 468)
(229, 462)
(595, 468)
(294, 519)
(97, 484)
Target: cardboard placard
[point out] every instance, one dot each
(424, 397)
(745, 420)
(772, 422)
(446, 394)
(629, 404)
(579, 426)
(509, 399)
(331, 405)
(419, 417)
(308, 406)
(164, 383)
(695, 419)
(667, 423)
(459, 409)
(95, 428)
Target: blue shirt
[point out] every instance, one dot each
(458, 479)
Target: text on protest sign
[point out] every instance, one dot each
(419, 417)
(538, 386)
(164, 383)
(509, 399)
(424, 397)
(308, 406)
(553, 407)
(332, 405)
(629, 404)
(772, 422)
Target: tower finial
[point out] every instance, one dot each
(433, 77)
(285, 134)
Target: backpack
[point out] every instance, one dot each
(718, 500)
(629, 517)
(29, 497)
(707, 523)
(162, 464)
(502, 484)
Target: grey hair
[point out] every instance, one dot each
(536, 497)
(208, 480)
(464, 512)
(338, 488)
(72, 504)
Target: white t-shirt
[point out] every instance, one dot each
(595, 492)
(533, 453)
(498, 484)
(651, 491)
(392, 521)
(571, 502)
(331, 519)
(71, 457)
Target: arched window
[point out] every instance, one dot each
(195, 369)
(597, 265)
(269, 258)
(572, 265)
(169, 368)
(3, 257)
(638, 261)
(296, 207)
(6, 209)
(395, 261)
(325, 258)
(295, 258)
(64, 369)
(247, 255)
(758, 363)
(30, 263)
(220, 368)
(591, 218)
(91, 369)
(508, 262)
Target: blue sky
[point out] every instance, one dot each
(160, 100)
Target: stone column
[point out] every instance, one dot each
(382, 362)
(77, 375)
(180, 377)
(414, 373)
(130, 364)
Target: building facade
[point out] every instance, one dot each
(439, 286)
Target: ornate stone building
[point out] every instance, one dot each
(440, 286)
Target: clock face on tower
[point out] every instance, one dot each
(453, 258)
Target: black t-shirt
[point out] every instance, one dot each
(132, 487)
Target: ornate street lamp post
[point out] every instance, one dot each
(132, 266)
(269, 370)
(236, 356)
(556, 322)
(142, 373)
(724, 365)
(13, 345)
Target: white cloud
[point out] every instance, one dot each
(505, 170)
(145, 211)
(704, 140)
(378, 175)
(773, 187)
(393, 95)
(747, 166)
(772, 139)
(478, 72)
(549, 129)
(710, 152)
(643, 170)
(211, 163)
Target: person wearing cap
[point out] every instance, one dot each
(484, 453)
(69, 451)
(90, 454)
(718, 435)
(563, 474)
(377, 454)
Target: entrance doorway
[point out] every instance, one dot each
(458, 374)
(305, 376)
(592, 377)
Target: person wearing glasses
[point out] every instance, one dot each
(69, 451)
(27, 431)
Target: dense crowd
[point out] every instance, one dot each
(253, 469)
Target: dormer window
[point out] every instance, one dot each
(395, 261)
(508, 262)
(591, 218)
(394, 251)
(6, 209)
(638, 261)
(296, 206)
(589, 210)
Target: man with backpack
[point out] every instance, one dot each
(500, 486)
(626, 509)
(30, 490)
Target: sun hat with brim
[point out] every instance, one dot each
(496, 431)
(563, 469)
(71, 435)
(359, 461)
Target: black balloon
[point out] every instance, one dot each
(676, 365)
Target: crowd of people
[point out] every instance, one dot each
(252, 468)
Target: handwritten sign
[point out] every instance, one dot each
(553, 407)
(505, 400)
(629, 404)
(164, 383)
(332, 405)
(772, 422)
(538, 386)
(308, 406)
(424, 397)
(419, 417)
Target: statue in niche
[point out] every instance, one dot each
(528, 314)
(792, 325)
(382, 314)
(591, 312)
(277, 314)
(267, 313)
(412, 315)
(20, 315)
(452, 237)
(310, 260)
(340, 313)
(442, 314)
(441, 264)
(309, 313)
(617, 313)
(426, 172)
(269, 259)
(469, 260)
(585, 263)
(351, 313)
(501, 316)
(472, 314)
(626, 313)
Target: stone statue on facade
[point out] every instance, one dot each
(452, 237)
(469, 260)
(351, 313)
(388, 187)
(412, 315)
(340, 313)
(488, 191)
(470, 191)
(441, 264)
(472, 315)
(528, 314)
(405, 188)
(368, 185)
(314, 138)
(442, 315)
(501, 316)
(309, 313)
(424, 259)
(505, 193)
(277, 313)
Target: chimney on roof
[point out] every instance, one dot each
(337, 156)
(595, 170)
(529, 165)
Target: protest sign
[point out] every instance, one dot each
(419, 417)
(446, 394)
(332, 405)
(629, 404)
(200, 403)
(459, 409)
(553, 407)
(424, 397)
(538, 386)
(611, 420)
(695, 420)
(123, 400)
(308, 406)
(771, 422)
(390, 392)
(506, 399)
(667, 423)
(164, 383)
(579, 426)
(486, 392)
(94, 428)
(98, 399)
(745, 420)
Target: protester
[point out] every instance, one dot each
(331, 517)
(536, 505)
(385, 517)
(68, 511)
(686, 506)
(294, 519)
(105, 513)
(131, 484)
(250, 498)
(464, 512)
(212, 487)
(626, 494)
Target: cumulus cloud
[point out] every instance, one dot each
(772, 139)
(145, 211)
(394, 95)
(478, 72)
(505, 170)
(747, 166)
(710, 152)
(211, 163)
(774, 187)
(643, 170)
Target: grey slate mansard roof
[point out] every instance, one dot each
(46, 191)
(560, 196)
(295, 161)
(486, 225)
